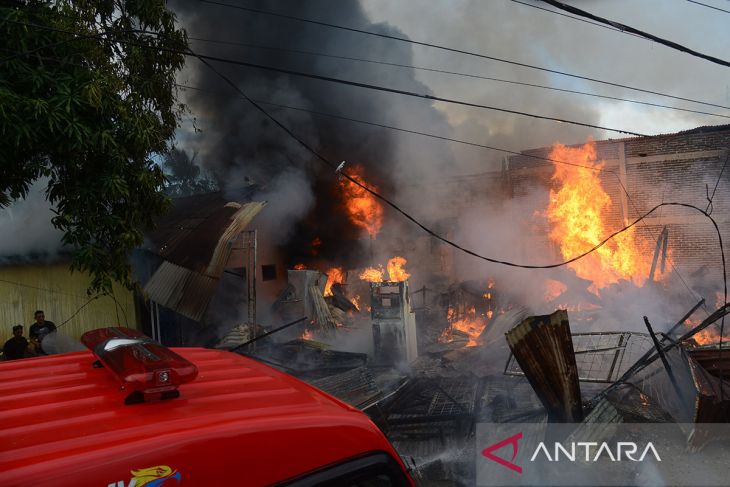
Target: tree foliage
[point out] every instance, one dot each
(184, 176)
(87, 96)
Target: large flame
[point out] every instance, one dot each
(362, 208)
(371, 274)
(335, 275)
(396, 272)
(577, 212)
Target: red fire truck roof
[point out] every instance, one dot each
(64, 422)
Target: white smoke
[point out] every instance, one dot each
(26, 226)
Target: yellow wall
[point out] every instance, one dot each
(59, 293)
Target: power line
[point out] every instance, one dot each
(709, 6)
(450, 49)
(573, 17)
(454, 73)
(400, 129)
(398, 92)
(626, 28)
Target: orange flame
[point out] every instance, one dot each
(362, 207)
(299, 267)
(307, 335)
(396, 272)
(577, 210)
(553, 289)
(371, 274)
(334, 275)
(356, 301)
(315, 245)
(472, 325)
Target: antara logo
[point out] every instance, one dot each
(512, 440)
(591, 452)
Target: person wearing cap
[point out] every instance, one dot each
(39, 330)
(17, 346)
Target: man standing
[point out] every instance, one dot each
(17, 346)
(40, 329)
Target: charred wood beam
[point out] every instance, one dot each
(660, 351)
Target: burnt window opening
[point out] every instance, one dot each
(268, 272)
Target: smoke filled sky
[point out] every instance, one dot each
(500, 28)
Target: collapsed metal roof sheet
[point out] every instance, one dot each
(194, 239)
(184, 291)
(543, 347)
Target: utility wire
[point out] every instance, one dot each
(632, 30)
(408, 131)
(397, 91)
(573, 17)
(450, 49)
(453, 73)
(709, 6)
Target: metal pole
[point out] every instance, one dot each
(152, 320)
(663, 357)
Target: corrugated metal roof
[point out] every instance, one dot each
(62, 418)
(543, 347)
(182, 290)
(196, 244)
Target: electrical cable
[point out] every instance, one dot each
(453, 73)
(709, 6)
(401, 92)
(450, 49)
(408, 131)
(626, 28)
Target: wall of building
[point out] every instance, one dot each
(61, 295)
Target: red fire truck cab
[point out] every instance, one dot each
(131, 413)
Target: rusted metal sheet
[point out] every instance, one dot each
(713, 360)
(543, 347)
(184, 291)
(195, 241)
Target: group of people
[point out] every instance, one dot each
(20, 347)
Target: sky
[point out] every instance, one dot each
(512, 30)
(504, 28)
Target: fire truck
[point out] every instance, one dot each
(130, 412)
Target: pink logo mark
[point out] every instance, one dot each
(512, 440)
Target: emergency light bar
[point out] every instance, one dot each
(146, 369)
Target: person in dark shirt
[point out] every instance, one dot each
(40, 329)
(17, 346)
